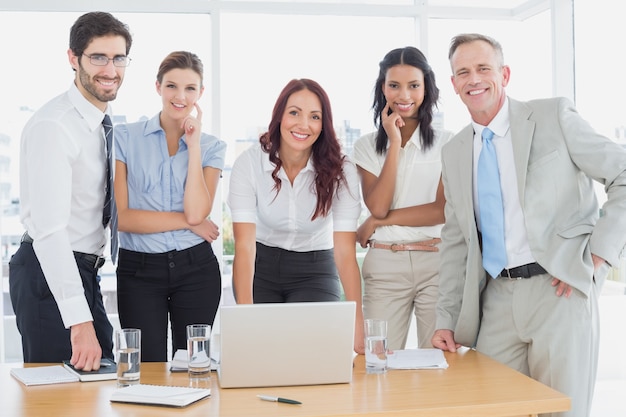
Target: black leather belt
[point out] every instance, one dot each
(94, 260)
(524, 271)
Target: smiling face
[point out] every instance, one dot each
(479, 78)
(301, 123)
(180, 89)
(98, 84)
(404, 90)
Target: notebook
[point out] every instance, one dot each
(107, 371)
(280, 344)
(42, 375)
(159, 395)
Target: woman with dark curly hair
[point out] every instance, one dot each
(400, 171)
(294, 200)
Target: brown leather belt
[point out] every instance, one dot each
(424, 245)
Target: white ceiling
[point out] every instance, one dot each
(494, 4)
(497, 9)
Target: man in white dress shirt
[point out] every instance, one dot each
(53, 279)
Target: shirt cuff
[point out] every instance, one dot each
(74, 310)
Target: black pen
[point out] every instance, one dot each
(278, 399)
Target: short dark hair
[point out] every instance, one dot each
(181, 60)
(95, 25)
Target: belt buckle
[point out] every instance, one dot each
(99, 261)
(392, 247)
(508, 275)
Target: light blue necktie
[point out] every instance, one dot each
(491, 207)
(109, 212)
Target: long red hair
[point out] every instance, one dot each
(326, 154)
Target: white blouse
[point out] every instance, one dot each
(417, 181)
(284, 220)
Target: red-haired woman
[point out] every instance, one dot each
(294, 200)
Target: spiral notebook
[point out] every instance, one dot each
(159, 395)
(43, 375)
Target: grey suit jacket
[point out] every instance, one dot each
(557, 155)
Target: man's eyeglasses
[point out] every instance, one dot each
(102, 60)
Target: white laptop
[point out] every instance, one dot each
(279, 344)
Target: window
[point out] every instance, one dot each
(339, 50)
(40, 71)
(599, 57)
(531, 67)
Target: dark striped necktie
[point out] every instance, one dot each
(109, 213)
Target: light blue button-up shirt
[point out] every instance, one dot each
(156, 180)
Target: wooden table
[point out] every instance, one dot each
(473, 385)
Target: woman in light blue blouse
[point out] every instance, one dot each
(167, 172)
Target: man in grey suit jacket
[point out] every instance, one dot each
(540, 314)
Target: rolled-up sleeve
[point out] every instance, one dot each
(242, 198)
(213, 152)
(347, 202)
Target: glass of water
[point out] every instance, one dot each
(128, 356)
(375, 346)
(198, 340)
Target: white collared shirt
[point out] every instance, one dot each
(284, 220)
(62, 175)
(417, 180)
(516, 239)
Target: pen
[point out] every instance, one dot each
(278, 399)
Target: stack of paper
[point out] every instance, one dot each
(180, 361)
(417, 359)
(159, 395)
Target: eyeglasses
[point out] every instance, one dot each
(102, 60)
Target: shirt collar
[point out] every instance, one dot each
(90, 113)
(268, 166)
(153, 125)
(499, 125)
(414, 139)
